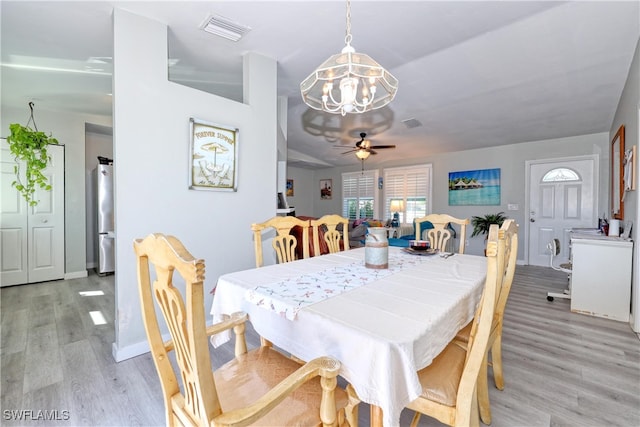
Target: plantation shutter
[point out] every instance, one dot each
(413, 186)
(359, 194)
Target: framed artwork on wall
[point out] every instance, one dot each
(617, 170)
(325, 189)
(289, 187)
(474, 188)
(213, 156)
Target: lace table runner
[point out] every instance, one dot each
(289, 296)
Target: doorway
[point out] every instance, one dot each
(562, 194)
(32, 237)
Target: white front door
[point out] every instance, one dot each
(563, 195)
(32, 237)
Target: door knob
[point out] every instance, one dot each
(45, 221)
(532, 220)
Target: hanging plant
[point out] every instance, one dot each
(30, 145)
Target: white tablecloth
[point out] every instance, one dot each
(383, 332)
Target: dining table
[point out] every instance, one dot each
(383, 325)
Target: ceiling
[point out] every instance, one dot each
(472, 74)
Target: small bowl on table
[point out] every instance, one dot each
(419, 245)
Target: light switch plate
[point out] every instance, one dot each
(513, 207)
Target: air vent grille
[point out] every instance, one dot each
(412, 123)
(224, 27)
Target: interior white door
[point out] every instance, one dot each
(32, 238)
(562, 195)
(13, 227)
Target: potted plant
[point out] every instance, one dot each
(30, 146)
(481, 224)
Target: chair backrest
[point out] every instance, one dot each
(284, 243)
(439, 235)
(508, 237)
(187, 325)
(336, 239)
(480, 329)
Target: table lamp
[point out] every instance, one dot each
(396, 207)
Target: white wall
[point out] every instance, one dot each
(627, 114)
(304, 190)
(511, 161)
(151, 145)
(68, 129)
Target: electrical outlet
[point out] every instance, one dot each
(513, 207)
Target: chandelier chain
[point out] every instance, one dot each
(348, 37)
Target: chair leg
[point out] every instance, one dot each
(483, 393)
(475, 419)
(351, 410)
(496, 360)
(415, 420)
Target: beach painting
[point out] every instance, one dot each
(474, 188)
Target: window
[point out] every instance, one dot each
(411, 185)
(359, 194)
(560, 174)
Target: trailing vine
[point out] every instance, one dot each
(30, 146)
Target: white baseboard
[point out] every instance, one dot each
(120, 354)
(76, 275)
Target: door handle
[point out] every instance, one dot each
(45, 221)
(532, 220)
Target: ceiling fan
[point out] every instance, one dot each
(364, 146)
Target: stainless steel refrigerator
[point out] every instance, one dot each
(105, 250)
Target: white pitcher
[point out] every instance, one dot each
(376, 248)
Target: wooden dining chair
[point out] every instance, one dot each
(284, 242)
(449, 383)
(508, 234)
(261, 386)
(440, 234)
(337, 240)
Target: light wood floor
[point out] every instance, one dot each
(561, 369)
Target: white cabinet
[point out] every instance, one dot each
(601, 276)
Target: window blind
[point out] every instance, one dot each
(413, 186)
(359, 194)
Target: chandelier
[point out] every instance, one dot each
(351, 70)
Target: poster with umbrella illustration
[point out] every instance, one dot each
(213, 156)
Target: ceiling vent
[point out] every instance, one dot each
(224, 27)
(412, 123)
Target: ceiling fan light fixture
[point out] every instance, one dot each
(351, 70)
(363, 154)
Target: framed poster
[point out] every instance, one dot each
(213, 156)
(325, 189)
(617, 170)
(474, 188)
(289, 187)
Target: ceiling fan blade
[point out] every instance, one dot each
(382, 146)
(350, 151)
(372, 151)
